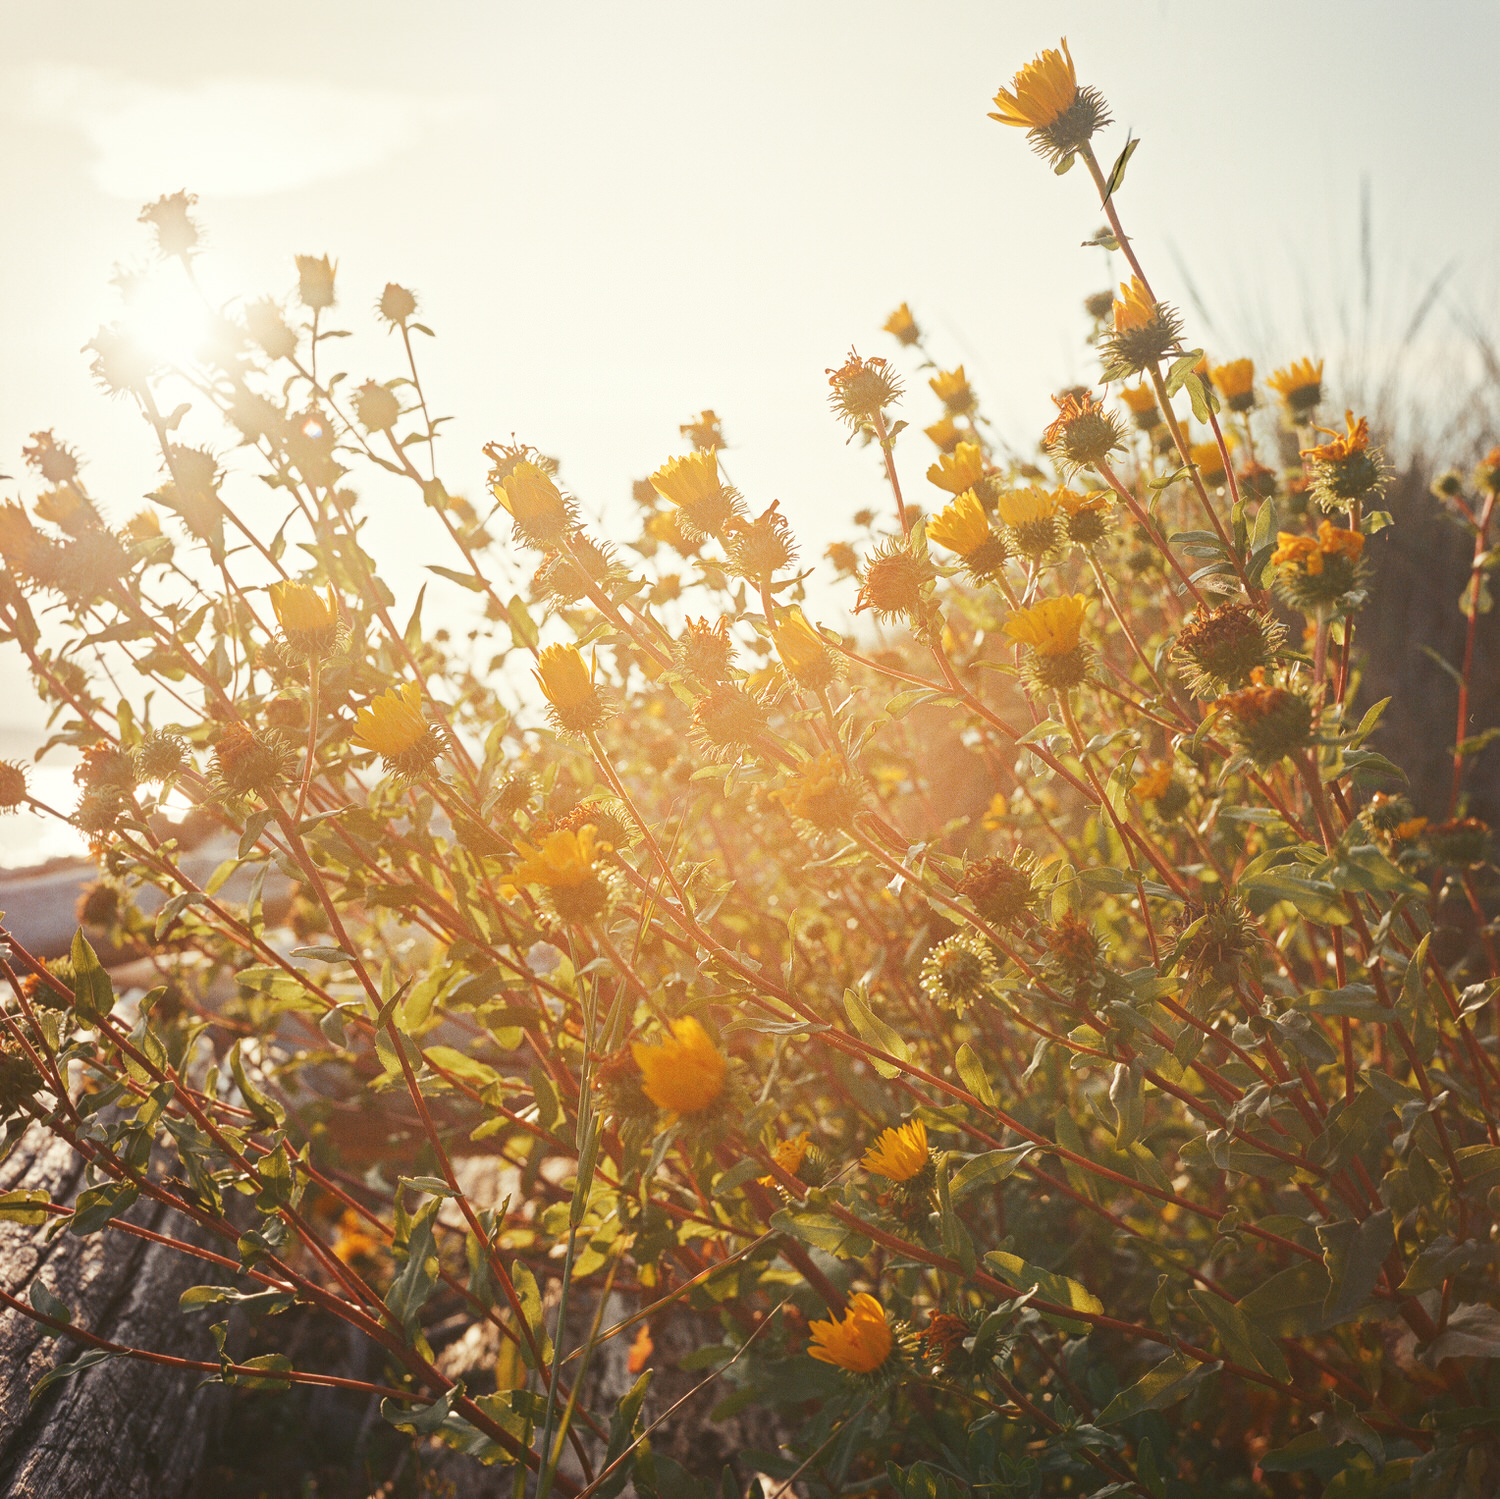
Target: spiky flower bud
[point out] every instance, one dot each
(823, 793)
(396, 304)
(892, 581)
(1268, 722)
(958, 971)
(1316, 573)
(1343, 469)
(706, 650)
(1218, 650)
(1003, 889)
(1083, 433)
(13, 790)
(1143, 332)
(176, 233)
(376, 406)
(861, 389)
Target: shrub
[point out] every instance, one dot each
(1127, 1128)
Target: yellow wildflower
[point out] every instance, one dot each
(65, 507)
(1153, 783)
(1020, 507)
(1308, 555)
(960, 470)
(1300, 384)
(803, 651)
(1355, 440)
(705, 433)
(900, 1153)
(788, 1156)
(684, 1073)
(1235, 379)
(1411, 828)
(951, 387)
(1301, 552)
(1139, 398)
(1050, 628)
(393, 723)
(944, 433)
(144, 525)
(565, 859)
(902, 326)
(532, 500)
(1134, 307)
(1071, 503)
(1209, 461)
(859, 1343)
(1040, 93)
(353, 1240)
(961, 526)
(300, 612)
(688, 479)
(564, 679)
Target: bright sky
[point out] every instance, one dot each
(615, 215)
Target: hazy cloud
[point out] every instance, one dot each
(230, 136)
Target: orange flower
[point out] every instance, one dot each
(899, 1154)
(859, 1343)
(1355, 440)
(684, 1073)
(1042, 91)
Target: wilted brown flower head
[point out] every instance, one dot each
(55, 461)
(396, 304)
(176, 233)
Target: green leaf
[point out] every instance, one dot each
(975, 1078)
(274, 1367)
(46, 1303)
(25, 1207)
(99, 1204)
(93, 994)
(266, 1110)
(1315, 898)
(85, 1360)
(423, 1420)
(874, 1030)
(1243, 1341)
(323, 954)
(1477, 742)
(1354, 1254)
(1173, 1379)
(450, 1059)
(530, 1297)
(1117, 172)
(823, 1231)
(471, 581)
(1264, 533)
(1290, 1303)
(1054, 1287)
(174, 908)
(418, 1275)
(987, 1169)
(522, 627)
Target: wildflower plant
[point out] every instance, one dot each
(1125, 1124)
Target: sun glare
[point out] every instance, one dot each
(167, 318)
